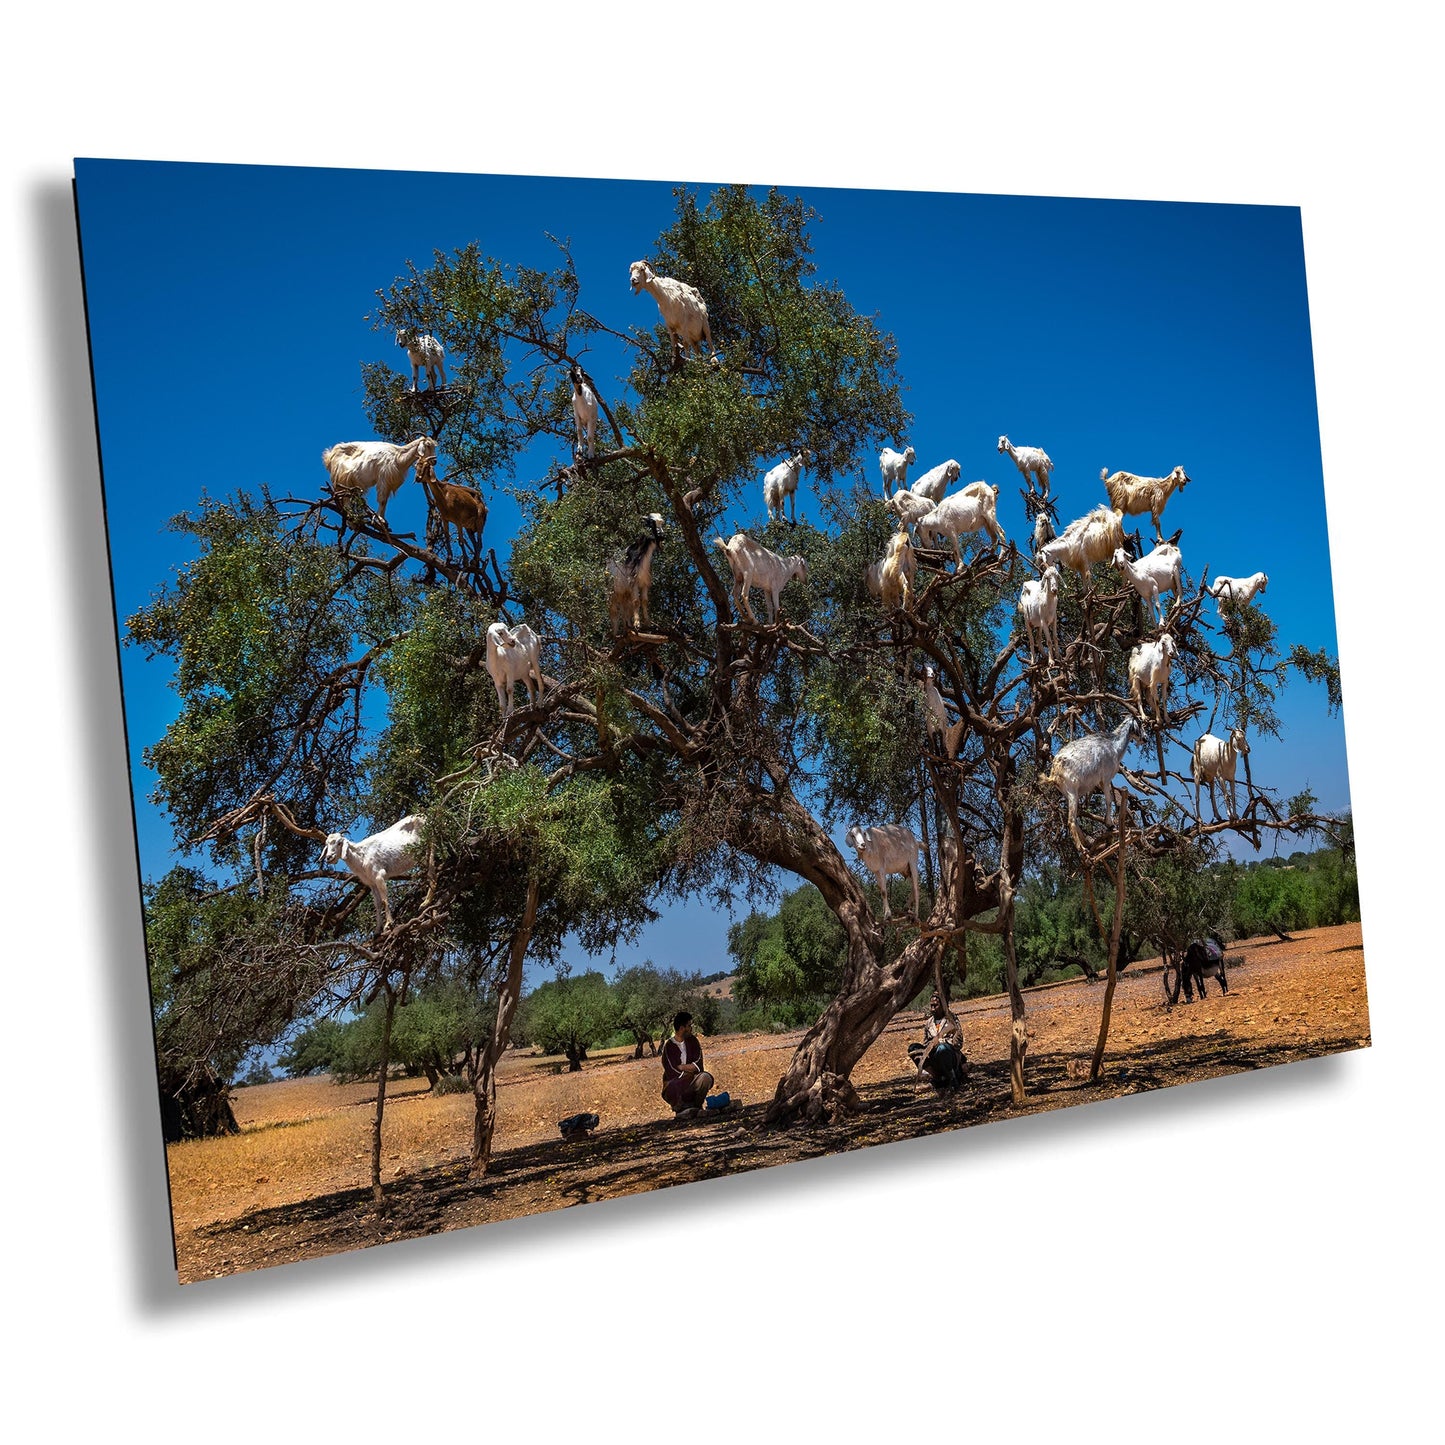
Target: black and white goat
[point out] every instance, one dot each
(630, 576)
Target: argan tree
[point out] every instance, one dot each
(706, 754)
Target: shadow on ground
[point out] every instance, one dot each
(616, 1162)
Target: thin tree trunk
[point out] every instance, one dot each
(1018, 1031)
(376, 1195)
(923, 795)
(484, 1080)
(1098, 1063)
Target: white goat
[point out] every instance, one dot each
(1214, 761)
(514, 655)
(359, 466)
(684, 312)
(873, 579)
(781, 484)
(1134, 496)
(630, 574)
(908, 508)
(584, 412)
(1236, 591)
(1087, 765)
(391, 854)
(895, 468)
(1149, 669)
(1086, 540)
(1031, 461)
(933, 701)
(1039, 603)
(754, 566)
(896, 572)
(971, 510)
(423, 351)
(936, 481)
(1154, 574)
(887, 848)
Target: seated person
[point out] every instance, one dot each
(940, 1056)
(684, 1083)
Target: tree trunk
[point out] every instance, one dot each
(1097, 1066)
(197, 1108)
(924, 793)
(484, 1079)
(1018, 1046)
(816, 1084)
(376, 1194)
(872, 991)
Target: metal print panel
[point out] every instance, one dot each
(629, 682)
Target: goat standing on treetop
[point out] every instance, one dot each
(1039, 603)
(1031, 461)
(584, 412)
(514, 654)
(894, 466)
(452, 506)
(630, 577)
(359, 466)
(1133, 496)
(423, 351)
(887, 848)
(781, 485)
(1214, 761)
(1087, 765)
(390, 854)
(1091, 538)
(684, 312)
(753, 565)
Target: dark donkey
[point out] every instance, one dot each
(1203, 958)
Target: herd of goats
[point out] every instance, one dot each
(927, 515)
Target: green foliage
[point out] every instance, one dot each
(1319, 666)
(428, 1033)
(314, 1049)
(570, 1015)
(793, 957)
(801, 367)
(1323, 889)
(1052, 922)
(257, 626)
(257, 1072)
(491, 318)
(213, 999)
(1183, 895)
(645, 998)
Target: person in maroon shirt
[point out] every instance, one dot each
(685, 1083)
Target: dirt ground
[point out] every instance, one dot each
(294, 1184)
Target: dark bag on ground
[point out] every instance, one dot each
(578, 1126)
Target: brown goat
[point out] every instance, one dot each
(453, 506)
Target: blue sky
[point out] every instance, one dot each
(227, 303)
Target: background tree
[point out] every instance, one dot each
(646, 998)
(571, 1015)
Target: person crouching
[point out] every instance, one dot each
(940, 1057)
(685, 1083)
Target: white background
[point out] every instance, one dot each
(1303, 1296)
